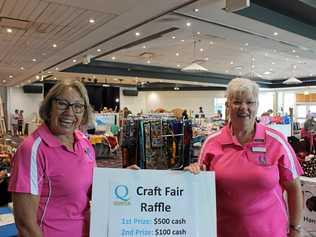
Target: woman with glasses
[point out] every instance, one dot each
(253, 166)
(52, 169)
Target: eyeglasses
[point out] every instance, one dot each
(77, 108)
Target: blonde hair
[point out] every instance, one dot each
(241, 85)
(56, 90)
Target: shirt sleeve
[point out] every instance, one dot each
(289, 166)
(27, 169)
(206, 156)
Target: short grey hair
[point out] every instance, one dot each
(241, 85)
(56, 90)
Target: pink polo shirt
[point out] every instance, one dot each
(249, 195)
(61, 178)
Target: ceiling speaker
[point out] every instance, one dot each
(236, 5)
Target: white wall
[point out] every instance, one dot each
(190, 100)
(17, 99)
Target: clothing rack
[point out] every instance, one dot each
(156, 141)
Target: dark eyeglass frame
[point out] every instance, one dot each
(77, 110)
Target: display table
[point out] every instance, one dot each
(7, 230)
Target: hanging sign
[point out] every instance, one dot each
(152, 203)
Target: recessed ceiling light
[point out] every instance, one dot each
(54, 45)
(178, 65)
(9, 30)
(196, 10)
(37, 77)
(113, 58)
(55, 78)
(252, 66)
(173, 37)
(201, 49)
(188, 24)
(294, 66)
(206, 58)
(56, 68)
(231, 63)
(10, 76)
(293, 51)
(238, 67)
(266, 54)
(246, 44)
(144, 47)
(98, 50)
(22, 68)
(253, 59)
(4, 81)
(211, 42)
(267, 73)
(177, 54)
(198, 33)
(275, 33)
(311, 74)
(182, 40)
(74, 60)
(148, 61)
(91, 21)
(137, 34)
(34, 59)
(273, 63)
(226, 71)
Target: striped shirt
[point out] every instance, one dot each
(249, 181)
(62, 179)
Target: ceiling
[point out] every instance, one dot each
(162, 36)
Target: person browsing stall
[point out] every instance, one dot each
(253, 165)
(52, 169)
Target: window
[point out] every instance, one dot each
(219, 105)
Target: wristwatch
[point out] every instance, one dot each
(297, 228)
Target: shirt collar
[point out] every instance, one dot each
(49, 138)
(228, 137)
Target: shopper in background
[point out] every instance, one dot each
(253, 165)
(20, 123)
(14, 122)
(52, 169)
(185, 114)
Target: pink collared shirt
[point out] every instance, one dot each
(61, 178)
(249, 195)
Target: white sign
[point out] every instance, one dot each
(309, 211)
(152, 203)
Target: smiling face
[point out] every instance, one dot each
(243, 108)
(63, 119)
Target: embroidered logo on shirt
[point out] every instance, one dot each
(262, 160)
(88, 153)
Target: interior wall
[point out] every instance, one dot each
(147, 101)
(29, 103)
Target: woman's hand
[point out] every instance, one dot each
(195, 168)
(133, 167)
(294, 233)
